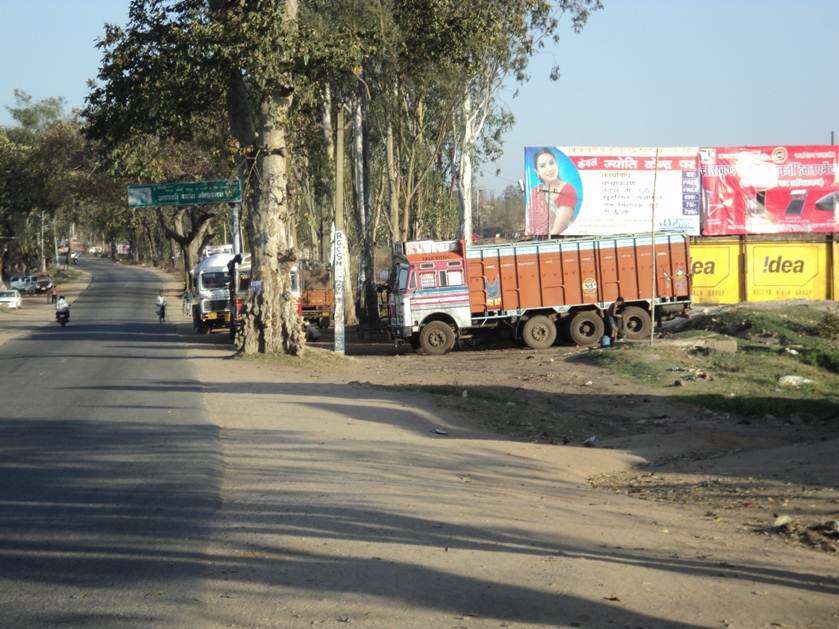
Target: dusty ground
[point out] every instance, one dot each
(740, 473)
(390, 489)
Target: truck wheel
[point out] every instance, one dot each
(539, 332)
(436, 338)
(586, 328)
(637, 323)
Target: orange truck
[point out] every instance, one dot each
(443, 291)
(316, 306)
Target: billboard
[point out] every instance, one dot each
(598, 191)
(781, 270)
(715, 271)
(770, 189)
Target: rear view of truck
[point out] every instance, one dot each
(535, 291)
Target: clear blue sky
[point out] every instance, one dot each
(642, 73)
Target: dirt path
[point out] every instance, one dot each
(344, 504)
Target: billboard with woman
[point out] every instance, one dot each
(599, 191)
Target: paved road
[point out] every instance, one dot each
(110, 470)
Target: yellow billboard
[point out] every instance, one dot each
(715, 270)
(780, 270)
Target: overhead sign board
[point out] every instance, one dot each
(184, 193)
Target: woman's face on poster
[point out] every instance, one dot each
(546, 168)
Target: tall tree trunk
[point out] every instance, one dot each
(271, 323)
(393, 186)
(464, 188)
(361, 179)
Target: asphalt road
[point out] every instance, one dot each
(110, 470)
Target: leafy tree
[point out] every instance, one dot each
(480, 45)
(186, 69)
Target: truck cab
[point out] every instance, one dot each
(429, 296)
(211, 308)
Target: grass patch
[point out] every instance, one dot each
(771, 344)
(313, 359)
(486, 394)
(66, 275)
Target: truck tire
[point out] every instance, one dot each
(539, 332)
(436, 338)
(586, 328)
(637, 323)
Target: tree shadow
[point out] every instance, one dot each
(103, 505)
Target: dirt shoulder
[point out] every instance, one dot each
(37, 310)
(681, 440)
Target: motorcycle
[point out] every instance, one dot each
(62, 316)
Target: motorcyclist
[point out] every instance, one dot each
(62, 308)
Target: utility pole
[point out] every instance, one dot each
(339, 265)
(43, 259)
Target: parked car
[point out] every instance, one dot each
(26, 284)
(10, 299)
(44, 283)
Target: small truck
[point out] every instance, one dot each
(444, 291)
(316, 306)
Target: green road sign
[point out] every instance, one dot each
(184, 193)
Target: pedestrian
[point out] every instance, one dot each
(56, 294)
(614, 315)
(161, 306)
(50, 297)
(187, 297)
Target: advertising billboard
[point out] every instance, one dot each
(599, 191)
(770, 189)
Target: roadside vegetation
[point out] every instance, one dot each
(772, 343)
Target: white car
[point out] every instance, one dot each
(10, 299)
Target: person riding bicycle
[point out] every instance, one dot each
(161, 306)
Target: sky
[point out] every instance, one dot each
(641, 73)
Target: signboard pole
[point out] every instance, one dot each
(338, 267)
(654, 252)
(237, 242)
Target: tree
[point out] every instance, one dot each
(480, 45)
(184, 68)
(43, 164)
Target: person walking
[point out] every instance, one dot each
(614, 314)
(161, 306)
(187, 297)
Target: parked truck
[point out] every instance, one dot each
(443, 291)
(211, 306)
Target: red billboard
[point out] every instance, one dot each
(770, 189)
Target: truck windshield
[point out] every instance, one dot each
(213, 279)
(402, 280)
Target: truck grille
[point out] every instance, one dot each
(215, 305)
